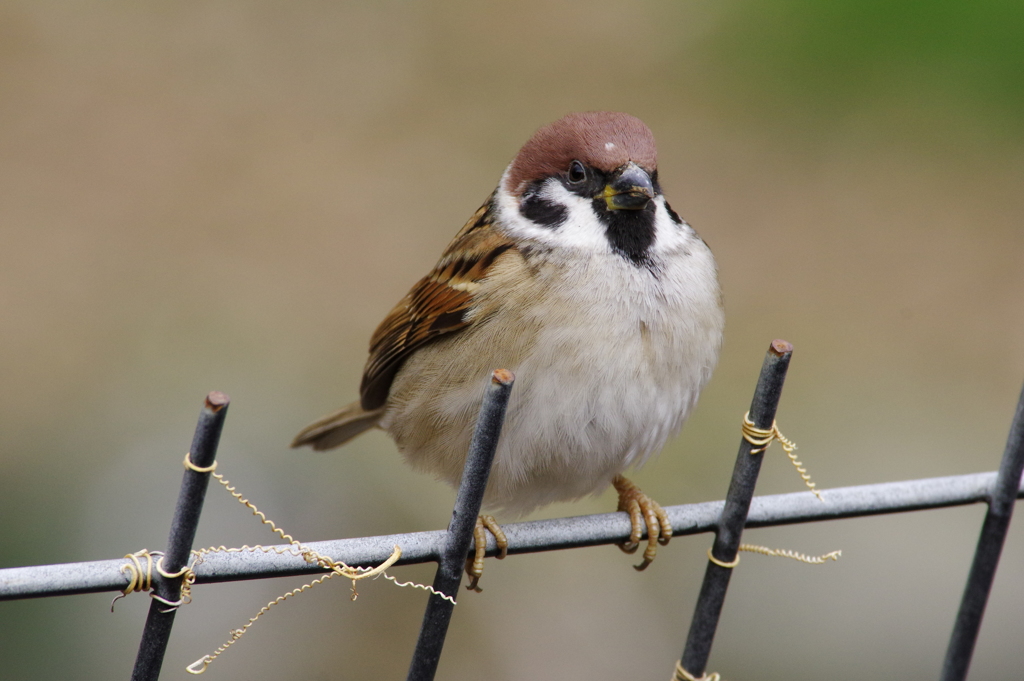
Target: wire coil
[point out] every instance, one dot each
(761, 439)
(140, 565)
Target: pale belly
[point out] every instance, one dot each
(599, 388)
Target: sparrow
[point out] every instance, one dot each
(576, 275)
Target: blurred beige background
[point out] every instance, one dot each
(229, 196)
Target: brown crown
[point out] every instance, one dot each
(584, 137)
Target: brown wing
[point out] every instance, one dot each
(435, 306)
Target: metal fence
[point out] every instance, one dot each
(450, 548)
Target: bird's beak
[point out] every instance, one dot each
(630, 189)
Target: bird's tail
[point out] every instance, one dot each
(338, 428)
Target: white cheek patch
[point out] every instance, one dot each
(581, 230)
(609, 146)
(669, 236)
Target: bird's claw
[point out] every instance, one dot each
(475, 565)
(644, 513)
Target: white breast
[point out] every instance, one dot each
(609, 361)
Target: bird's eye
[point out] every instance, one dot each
(577, 173)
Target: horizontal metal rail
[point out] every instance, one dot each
(527, 537)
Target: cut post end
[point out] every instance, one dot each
(503, 377)
(217, 400)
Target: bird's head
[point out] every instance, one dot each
(590, 180)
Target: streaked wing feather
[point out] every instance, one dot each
(437, 305)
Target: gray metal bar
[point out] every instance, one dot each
(460, 531)
(986, 556)
(65, 579)
(179, 543)
(734, 514)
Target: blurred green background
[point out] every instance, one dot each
(229, 196)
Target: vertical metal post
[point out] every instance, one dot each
(986, 556)
(460, 531)
(183, 532)
(734, 515)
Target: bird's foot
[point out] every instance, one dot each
(475, 565)
(644, 512)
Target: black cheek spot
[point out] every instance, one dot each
(543, 212)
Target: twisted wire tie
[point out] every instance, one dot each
(200, 665)
(776, 553)
(787, 553)
(198, 469)
(683, 675)
(721, 563)
(761, 439)
(141, 578)
(296, 548)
